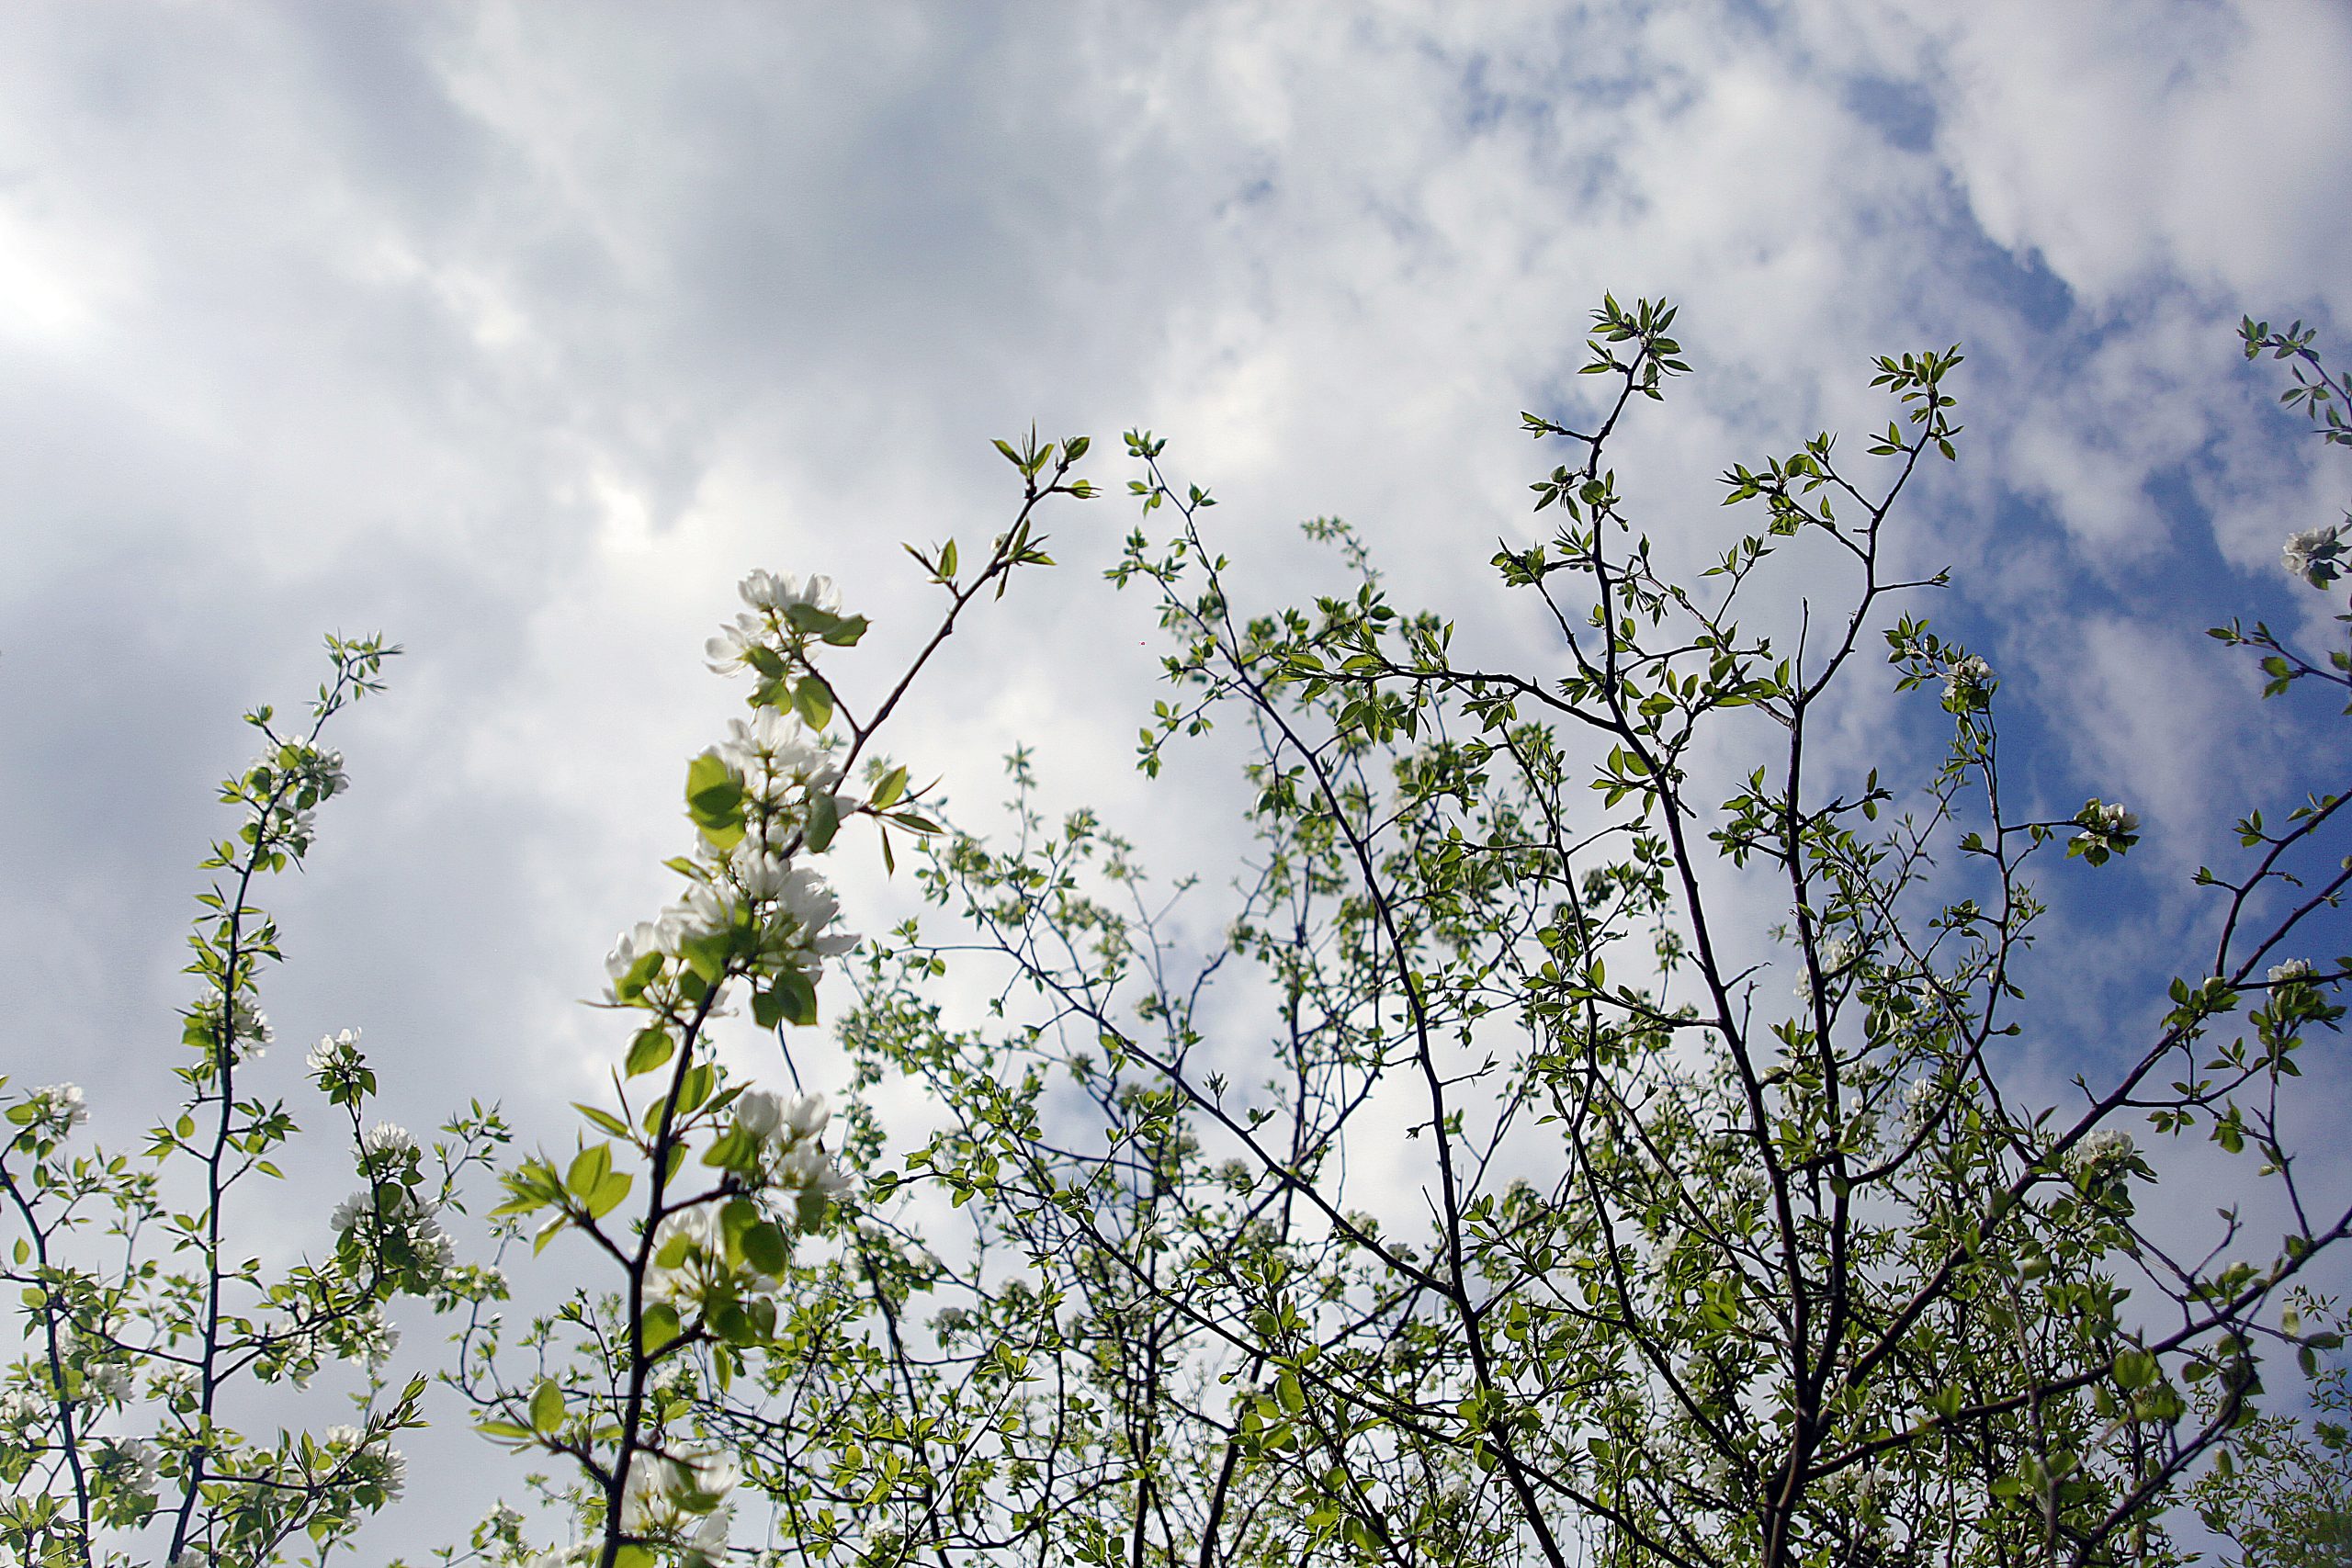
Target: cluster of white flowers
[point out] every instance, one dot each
(387, 1141)
(110, 1383)
(690, 1246)
(2292, 970)
(249, 1032)
(1968, 683)
(2315, 554)
(767, 624)
(794, 906)
(369, 1336)
(1836, 956)
(57, 1110)
(2102, 1151)
(1852, 1487)
(399, 1216)
(1746, 1183)
(370, 1464)
(2104, 824)
(779, 761)
(21, 1408)
(687, 1496)
(1918, 1098)
(800, 1120)
(334, 1058)
(126, 1464)
(690, 1253)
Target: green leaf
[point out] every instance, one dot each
(735, 1149)
(589, 1168)
(603, 1120)
(824, 821)
(763, 1248)
(887, 793)
(659, 1328)
(813, 702)
(609, 1193)
(547, 1406)
(707, 954)
(651, 1047)
(794, 997)
(714, 794)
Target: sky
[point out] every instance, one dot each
(519, 332)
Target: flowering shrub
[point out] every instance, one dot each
(1670, 1264)
(724, 1181)
(144, 1330)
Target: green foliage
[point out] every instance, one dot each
(1498, 1185)
(148, 1320)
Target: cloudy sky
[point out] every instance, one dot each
(518, 333)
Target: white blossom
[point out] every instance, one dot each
(1919, 1100)
(725, 651)
(805, 910)
(335, 1054)
(759, 1113)
(762, 874)
(2315, 554)
(2100, 1151)
(249, 1027)
(802, 1166)
(58, 1109)
(631, 948)
(386, 1138)
(663, 1493)
(2293, 969)
(2105, 823)
(109, 1383)
(806, 1114)
(22, 1408)
(1967, 682)
(368, 1335)
(131, 1464)
(776, 755)
(776, 595)
(1836, 955)
(704, 911)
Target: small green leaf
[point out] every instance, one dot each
(603, 1120)
(660, 1327)
(763, 1248)
(796, 996)
(824, 821)
(609, 1193)
(714, 794)
(589, 1168)
(651, 1047)
(547, 1406)
(813, 702)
